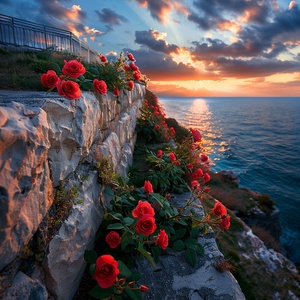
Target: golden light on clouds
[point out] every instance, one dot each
(230, 26)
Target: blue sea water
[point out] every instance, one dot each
(258, 139)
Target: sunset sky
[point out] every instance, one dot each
(187, 47)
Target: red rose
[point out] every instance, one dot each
(196, 135)
(116, 92)
(136, 75)
(157, 127)
(69, 89)
(103, 58)
(113, 239)
(145, 225)
(159, 153)
(199, 172)
(100, 86)
(206, 177)
(148, 187)
(172, 130)
(190, 166)
(143, 208)
(172, 156)
(225, 222)
(177, 162)
(195, 183)
(73, 68)
(133, 66)
(162, 239)
(143, 288)
(131, 84)
(50, 79)
(204, 157)
(156, 113)
(106, 271)
(219, 209)
(130, 56)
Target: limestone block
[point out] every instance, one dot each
(24, 288)
(74, 126)
(126, 161)
(25, 185)
(64, 265)
(123, 129)
(111, 149)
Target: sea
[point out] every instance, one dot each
(258, 138)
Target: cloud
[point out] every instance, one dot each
(159, 66)
(161, 9)
(110, 17)
(154, 40)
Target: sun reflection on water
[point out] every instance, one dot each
(196, 114)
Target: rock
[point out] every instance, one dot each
(24, 288)
(25, 185)
(64, 265)
(230, 176)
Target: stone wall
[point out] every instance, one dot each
(46, 140)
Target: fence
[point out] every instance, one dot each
(29, 35)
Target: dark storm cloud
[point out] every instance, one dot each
(109, 17)
(5, 2)
(160, 67)
(147, 38)
(252, 68)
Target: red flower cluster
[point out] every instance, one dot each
(220, 211)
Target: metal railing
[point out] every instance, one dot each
(29, 35)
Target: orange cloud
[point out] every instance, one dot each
(230, 26)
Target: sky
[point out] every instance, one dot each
(198, 48)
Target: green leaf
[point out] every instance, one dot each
(180, 233)
(90, 256)
(113, 216)
(92, 269)
(99, 293)
(178, 245)
(135, 276)
(146, 255)
(128, 221)
(190, 256)
(195, 232)
(87, 85)
(155, 252)
(134, 294)
(126, 239)
(190, 243)
(109, 191)
(56, 68)
(115, 226)
(124, 269)
(200, 249)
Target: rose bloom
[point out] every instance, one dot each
(196, 135)
(102, 58)
(177, 162)
(145, 225)
(73, 68)
(113, 239)
(130, 56)
(190, 166)
(195, 176)
(206, 177)
(116, 92)
(50, 79)
(204, 157)
(148, 188)
(143, 288)
(106, 271)
(219, 209)
(172, 130)
(131, 84)
(225, 222)
(69, 89)
(172, 156)
(199, 172)
(162, 239)
(100, 86)
(195, 183)
(157, 127)
(143, 208)
(133, 66)
(127, 68)
(159, 153)
(137, 75)
(156, 113)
